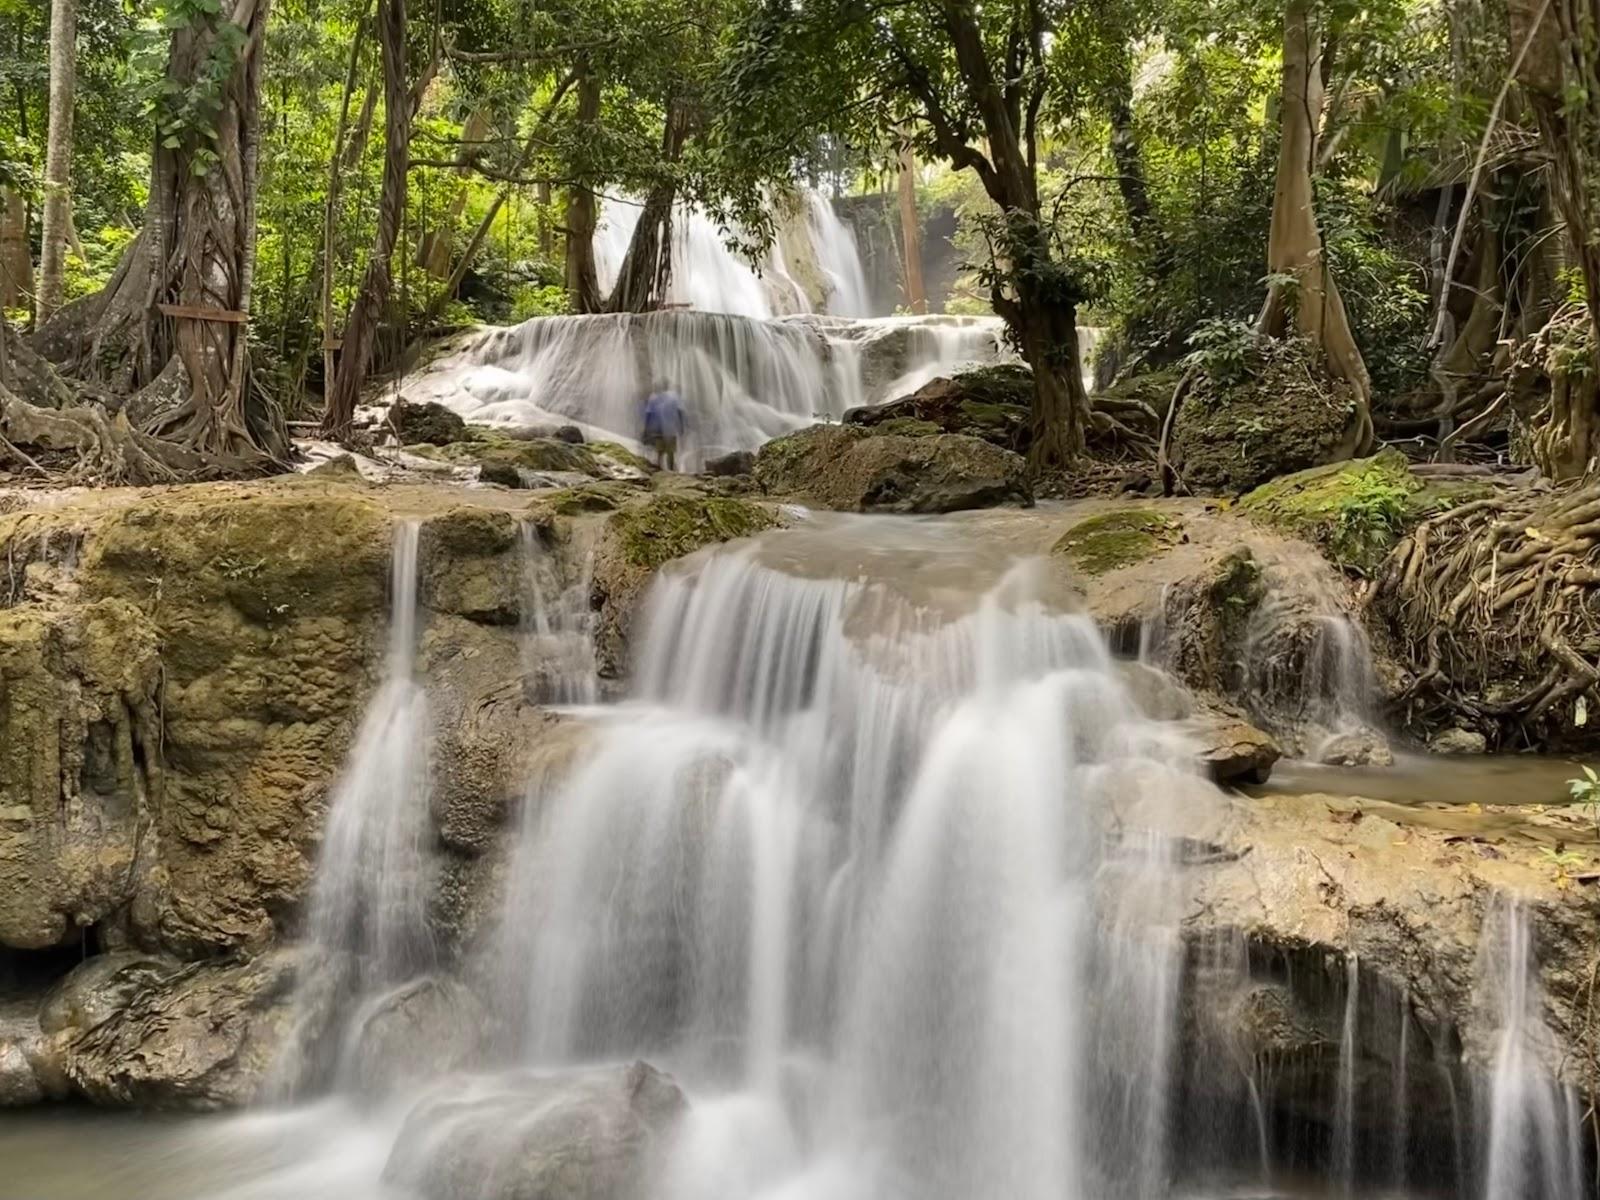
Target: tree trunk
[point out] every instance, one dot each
(1303, 289)
(433, 247)
(361, 330)
(58, 157)
(1561, 75)
(646, 270)
(339, 161)
(546, 233)
(16, 262)
(911, 233)
(583, 280)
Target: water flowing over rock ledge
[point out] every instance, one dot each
(186, 669)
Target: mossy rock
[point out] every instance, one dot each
(992, 403)
(598, 497)
(427, 423)
(668, 527)
(1357, 510)
(1119, 539)
(1288, 415)
(509, 461)
(854, 469)
(910, 427)
(639, 539)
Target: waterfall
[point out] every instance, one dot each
(1532, 1145)
(743, 381)
(1344, 1111)
(837, 866)
(557, 626)
(373, 877)
(839, 258)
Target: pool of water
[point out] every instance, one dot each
(325, 1151)
(1431, 779)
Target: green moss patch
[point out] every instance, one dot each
(668, 527)
(1118, 539)
(1355, 511)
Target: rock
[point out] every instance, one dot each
(1117, 539)
(1281, 414)
(851, 469)
(992, 403)
(19, 1086)
(426, 424)
(639, 539)
(176, 1035)
(740, 462)
(1364, 748)
(534, 462)
(593, 1134)
(80, 719)
(340, 466)
(419, 1031)
(570, 434)
(1459, 741)
(1156, 694)
(1234, 751)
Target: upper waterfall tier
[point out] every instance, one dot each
(742, 380)
(813, 264)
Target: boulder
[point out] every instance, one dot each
(1362, 748)
(1459, 741)
(1232, 750)
(427, 423)
(419, 1031)
(849, 468)
(740, 462)
(992, 403)
(174, 1035)
(1118, 539)
(639, 539)
(590, 1134)
(19, 1086)
(1154, 693)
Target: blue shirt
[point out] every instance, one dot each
(663, 415)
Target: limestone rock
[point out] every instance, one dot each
(175, 1035)
(739, 462)
(429, 423)
(992, 403)
(641, 538)
(1233, 750)
(19, 1086)
(80, 723)
(421, 1030)
(1459, 741)
(1154, 693)
(851, 469)
(1364, 748)
(592, 1134)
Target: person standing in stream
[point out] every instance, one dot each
(663, 425)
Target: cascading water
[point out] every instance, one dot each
(840, 867)
(373, 875)
(743, 381)
(557, 635)
(1532, 1148)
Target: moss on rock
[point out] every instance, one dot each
(854, 469)
(510, 461)
(1355, 511)
(1118, 539)
(639, 539)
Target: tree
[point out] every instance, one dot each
(361, 330)
(911, 232)
(1561, 74)
(58, 157)
(981, 88)
(171, 323)
(1301, 292)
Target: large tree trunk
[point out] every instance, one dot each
(646, 271)
(58, 157)
(361, 331)
(911, 233)
(434, 246)
(1043, 320)
(1561, 74)
(340, 160)
(171, 322)
(1303, 290)
(583, 280)
(16, 262)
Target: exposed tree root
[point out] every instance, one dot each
(1496, 603)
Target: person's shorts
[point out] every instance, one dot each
(667, 445)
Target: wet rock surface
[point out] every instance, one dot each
(854, 470)
(581, 1135)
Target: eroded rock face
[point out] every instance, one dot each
(130, 1030)
(581, 1135)
(423, 1029)
(853, 470)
